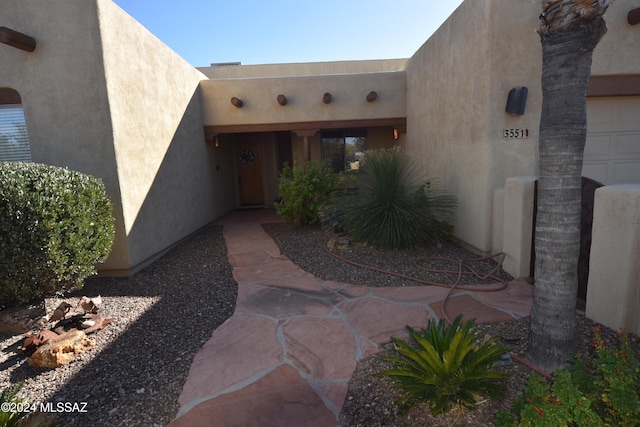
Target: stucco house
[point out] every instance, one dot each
(179, 146)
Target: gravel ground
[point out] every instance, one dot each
(369, 402)
(135, 373)
(166, 312)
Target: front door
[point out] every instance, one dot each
(249, 163)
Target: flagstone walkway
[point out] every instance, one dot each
(286, 355)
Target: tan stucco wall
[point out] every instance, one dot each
(617, 52)
(457, 87)
(104, 96)
(169, 182)
(304, 98)
(63, 90)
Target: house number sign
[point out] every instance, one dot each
(516, 133)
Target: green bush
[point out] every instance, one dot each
(603, 392)
(303, 190)
(447, 365)
(391, 206)
(55, 224)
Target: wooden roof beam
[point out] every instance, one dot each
(18, 40)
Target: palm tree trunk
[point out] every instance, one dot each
(568, 40)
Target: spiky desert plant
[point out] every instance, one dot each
(446, 365)
(18, 412)
(392, 205)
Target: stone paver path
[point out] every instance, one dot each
(285, 357)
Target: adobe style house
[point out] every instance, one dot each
(179, 146)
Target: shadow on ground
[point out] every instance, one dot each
(146, 366)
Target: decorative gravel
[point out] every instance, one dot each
(166, 312)
(135, 373)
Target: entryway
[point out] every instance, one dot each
(249, 155)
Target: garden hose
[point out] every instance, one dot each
(463, 269)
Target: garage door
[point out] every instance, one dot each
(612, 152)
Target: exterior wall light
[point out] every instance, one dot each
(396, 134)
(216, 141)
(326, 98)
(282, 100)
(517, 100)
(372, 96)
(633, 17)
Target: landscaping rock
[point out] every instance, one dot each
(62, 350)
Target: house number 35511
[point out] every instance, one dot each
(516, 133)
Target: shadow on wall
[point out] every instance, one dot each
(190, 189)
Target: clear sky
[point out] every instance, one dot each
(282, 31)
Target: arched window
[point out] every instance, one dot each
(14, 142)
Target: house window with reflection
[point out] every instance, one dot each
(344, 148)
(14, 142)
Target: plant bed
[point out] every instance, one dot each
(370, 399)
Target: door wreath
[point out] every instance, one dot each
(246, 156)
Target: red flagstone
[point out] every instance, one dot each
(286, 355)
(280, 399)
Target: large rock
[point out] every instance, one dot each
(62, 350)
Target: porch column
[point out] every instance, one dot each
(306, 146)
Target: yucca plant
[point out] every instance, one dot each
(392, 206)
(447, 366)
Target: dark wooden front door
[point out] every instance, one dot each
(249, 163)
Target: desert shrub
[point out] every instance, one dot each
(602, 392)
(303, 190)
(391, 205)
(446, 365)
(55, 224)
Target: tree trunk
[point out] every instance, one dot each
(568, 40)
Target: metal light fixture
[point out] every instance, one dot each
(517, 100)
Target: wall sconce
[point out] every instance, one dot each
(633, 17)
(517, 100)
(236, 102)
(282, 100)
(396, 134)
(372, 96)
(216, 141)
(326, 98)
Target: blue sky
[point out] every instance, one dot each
(281, 31)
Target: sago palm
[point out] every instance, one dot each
(446, 365)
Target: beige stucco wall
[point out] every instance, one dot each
(617, 52)
(63, 89)
(104, 96)
(304, 98)
(613, 291)
(170, 185)
(457, 87)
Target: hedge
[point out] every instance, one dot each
(55, 225)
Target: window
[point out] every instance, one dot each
(344, 148)
(14, 142)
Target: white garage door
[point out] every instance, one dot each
(612, 152)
